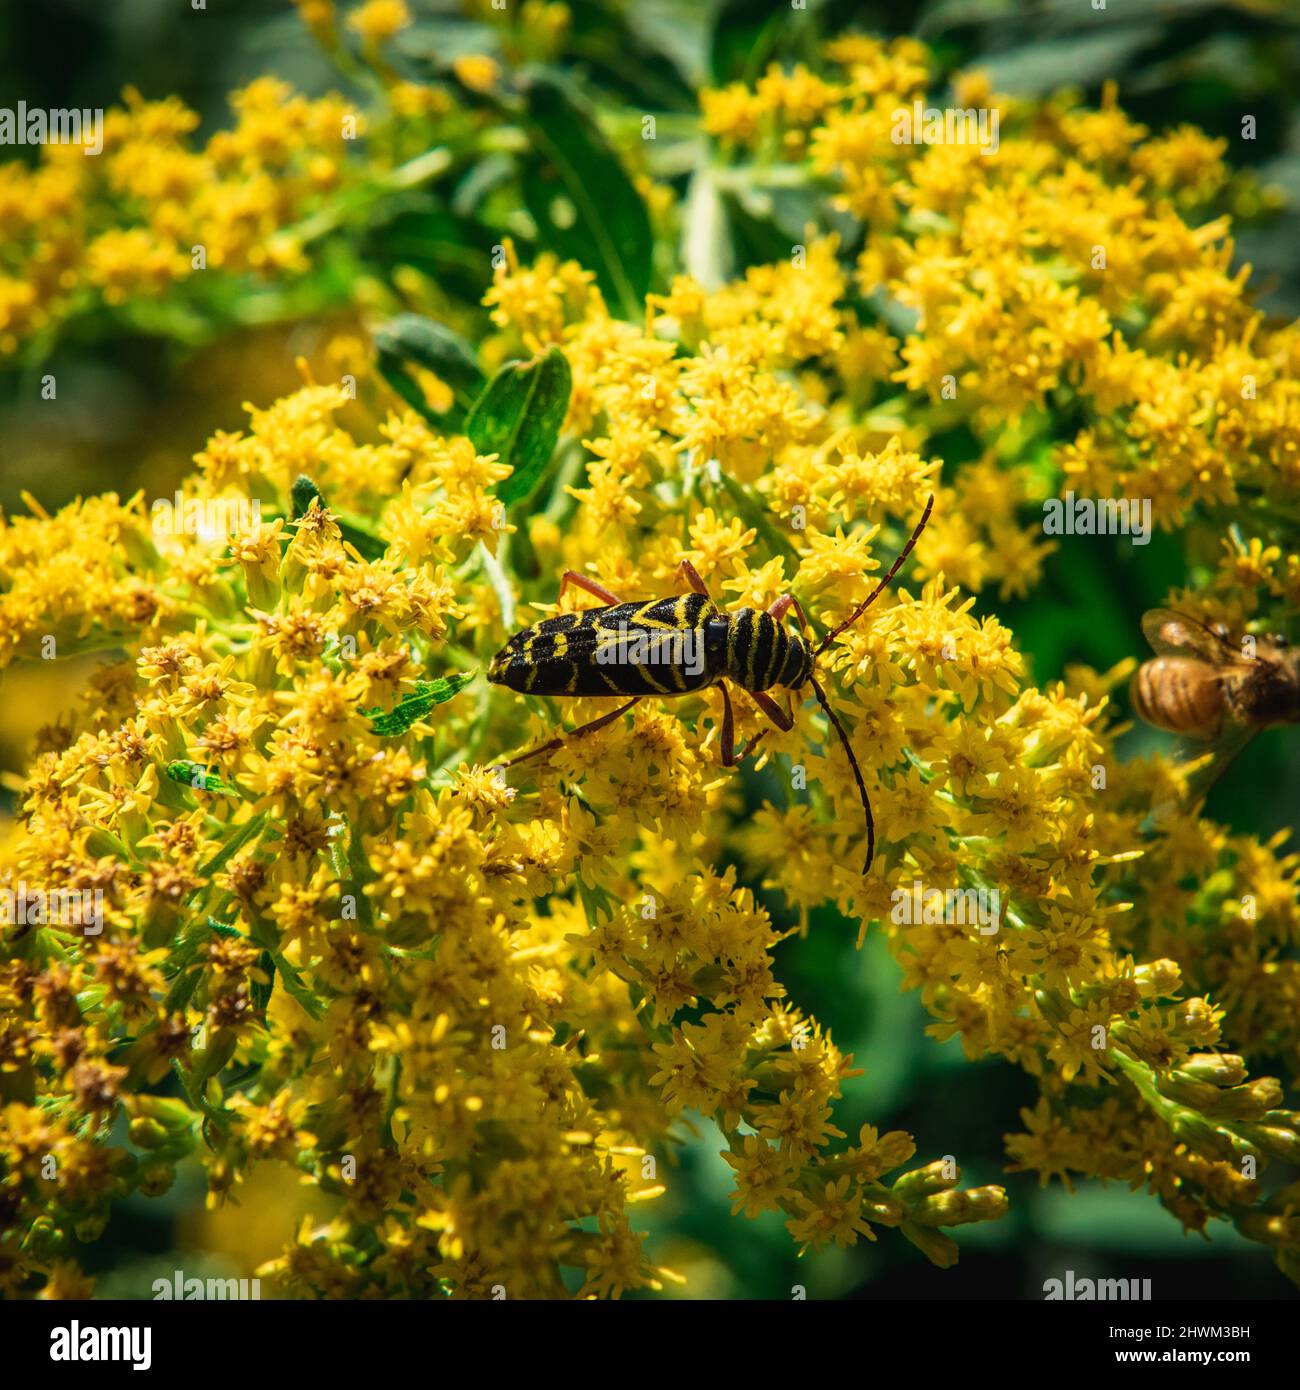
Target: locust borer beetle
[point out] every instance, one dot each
(666, 647)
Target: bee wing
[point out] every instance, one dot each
(1177, 634)
(1205, 763)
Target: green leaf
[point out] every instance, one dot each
(585, 205)
(103, 843)
(445, 246)
(179, 994)
(236, 842)
(518, 418)
(410, 339)
(295, 989)
(1037, 68)
(193, 1088)
(747, 35)
(679, 29)
(367, 545)
(303, 493)
(417, 704)
(485, 175)
(209, 1061)
(706, 237)
(200, 778)
(753, 513)
(444, 38)
(260, 991)
(188, 944)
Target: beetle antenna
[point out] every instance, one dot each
(857, 772)
(884, 583)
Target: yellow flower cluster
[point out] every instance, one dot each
(496, 994)
(1051, 272)
(355, 915)
(474, 1007)
(152, 210)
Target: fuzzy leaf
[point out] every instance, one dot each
(519, 417)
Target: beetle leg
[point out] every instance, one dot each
(782, 606)
(730, 758)
(590, 585)
(691, 575)
(589, 728)
(783, 719)
(728, 729)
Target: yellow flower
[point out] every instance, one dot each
(477, 71)
(378, 20)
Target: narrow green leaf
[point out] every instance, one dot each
(211, 1060)
(519, 417)
(706, 238)
(585, 205)
(368, 546)
(193, 1088)
(417, 704)
(756, 238)
(679, 29)
(754, 514)
(235, 843)
(260, 991)
(439, 242)
(296, 990)
(190, 942)
(746, 36)
(179, 994)
(1043, 65)
(200, 778)
(501, 585)
(104, 843)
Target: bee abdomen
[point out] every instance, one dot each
(1180, 694)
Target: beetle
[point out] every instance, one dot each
(669, 647)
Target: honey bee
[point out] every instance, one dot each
(1214, 690)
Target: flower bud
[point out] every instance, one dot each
(922, 1182)
(1218, 1069)
(145, 1133)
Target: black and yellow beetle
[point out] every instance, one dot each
(666, 647)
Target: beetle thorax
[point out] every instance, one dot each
(761, 652)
